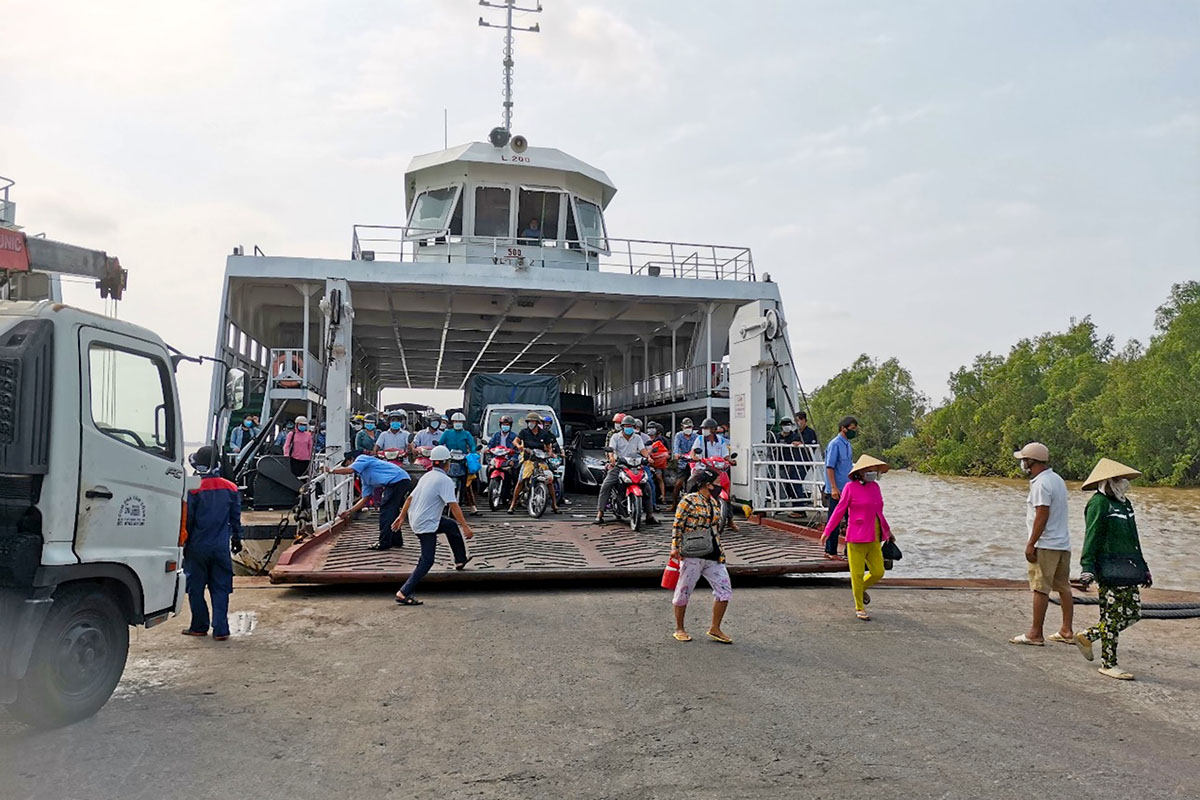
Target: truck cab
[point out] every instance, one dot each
(92, 504)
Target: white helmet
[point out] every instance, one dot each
(301, 420)
(440, 453)
(458, 417)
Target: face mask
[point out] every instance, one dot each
(357, 426)
(433, 426)
(505, 428)
(248, 423)
(687, 431)
(1025, 466)
(787, 429)
(851, 433)
(395, 426)
(302, 428)
(628, 431)
(370, 426)
(1119, 487)
(458, 426)
(870, 477)
(706, 433)
(531, 425)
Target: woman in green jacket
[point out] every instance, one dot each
(1112, 556)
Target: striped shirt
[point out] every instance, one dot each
(695, 512)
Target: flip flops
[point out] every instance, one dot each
(1085, 646)
(863, 615)
(1114, 672)
(1058, 637)
(680, 636)
(1023, 639)
(460, 567)
(716, 638)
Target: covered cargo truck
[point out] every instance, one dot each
(509, 390)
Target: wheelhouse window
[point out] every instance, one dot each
(492, 211)
(591, 225)
(131, 399)
(537, 215)
(432, 208)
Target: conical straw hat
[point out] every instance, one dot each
(1107, 469)
(867, 462)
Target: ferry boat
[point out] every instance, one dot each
(505, 264)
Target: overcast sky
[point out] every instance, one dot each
(925, 180)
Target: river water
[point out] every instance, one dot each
(975, 527)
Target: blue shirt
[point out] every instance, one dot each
(839, 458)
(458, 440)
(683, 443)
(241, 437)
(214, 514)
(376, 473)
(502, 439)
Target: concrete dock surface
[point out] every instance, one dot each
(569, 692)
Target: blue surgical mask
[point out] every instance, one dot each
(458, 426)
(433, 426)
(249, 423)
(628, 431)
(395, 426)
(505, 428)
(302, 428)
(370, 426)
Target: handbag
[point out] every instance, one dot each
(1117, 569)
(891, 550)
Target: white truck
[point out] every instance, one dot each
(92, 503)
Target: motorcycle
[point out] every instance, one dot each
(630, 505)
(536, 494)
(721, 466)
(502, 466)
(457, 470)
(393, 456)
(422, 460)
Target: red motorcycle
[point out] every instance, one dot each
(422, 460)
(502, 467)
(634, 477)
(721, 466)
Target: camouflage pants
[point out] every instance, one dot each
(1120, 607)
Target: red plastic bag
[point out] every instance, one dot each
(671, 573)
(659, 455)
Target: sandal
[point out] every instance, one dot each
(716, 638)
(1058, 637)
(1114, 672)
(1085, 646)
(378, 546)
(1023, 639)
(680, 636)
(460, 567)
(408, 601)
(863, 615)
(866, 598)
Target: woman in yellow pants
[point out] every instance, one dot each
(866, 529)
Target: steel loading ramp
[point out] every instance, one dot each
(568, 546)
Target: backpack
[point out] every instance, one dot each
(698, 543)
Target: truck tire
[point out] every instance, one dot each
(77, 660)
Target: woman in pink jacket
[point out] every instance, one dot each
(299, 447)
(866, 529)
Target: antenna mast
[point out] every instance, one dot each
(509, 7)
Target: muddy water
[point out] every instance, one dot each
(975, 527)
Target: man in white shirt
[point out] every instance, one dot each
(395, 437)
(1048, 549)
(423, 509)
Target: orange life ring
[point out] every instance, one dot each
(277, 369)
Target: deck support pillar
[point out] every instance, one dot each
(339, 331)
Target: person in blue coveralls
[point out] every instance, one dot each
(375, 474)
(214, 531)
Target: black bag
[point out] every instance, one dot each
(1116, 569)
(891, 551)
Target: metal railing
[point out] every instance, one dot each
(786, 477)
(294, 368)
(689, 383)
(8, 209)
(650, 258)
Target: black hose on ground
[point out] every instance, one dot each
(1149, 610)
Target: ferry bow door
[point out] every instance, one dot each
(130, 482)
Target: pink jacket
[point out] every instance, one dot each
(864, 504)
(299, 445)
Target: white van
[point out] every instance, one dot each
(491, 425)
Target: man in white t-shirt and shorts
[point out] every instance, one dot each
(436, 491)
(1048, 549)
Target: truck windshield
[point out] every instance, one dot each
(492, 423)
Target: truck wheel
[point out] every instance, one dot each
(77, 660)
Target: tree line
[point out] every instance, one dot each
(1074, 390)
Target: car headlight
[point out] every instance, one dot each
(593, 463)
